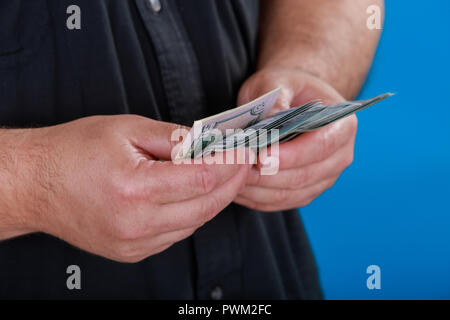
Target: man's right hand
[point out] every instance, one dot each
(97, 184)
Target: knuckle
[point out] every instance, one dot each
(125, 228)
(206, 179)
(126, 191)
(126, 252)
(281, 195)
(353, 124)
(210, 209)
(324, 143)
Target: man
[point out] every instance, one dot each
(85, 190)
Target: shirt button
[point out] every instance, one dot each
(217, 293)
(156, 5)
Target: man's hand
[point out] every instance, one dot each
(97, 183)
(304, 46)
(309, 164)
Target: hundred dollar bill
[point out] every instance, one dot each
(204, 131)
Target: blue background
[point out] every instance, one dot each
(391, 207)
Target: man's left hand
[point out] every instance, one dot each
(310, 163)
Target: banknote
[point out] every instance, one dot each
(253, 129)
(204, 131)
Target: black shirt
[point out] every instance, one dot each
(178, 64)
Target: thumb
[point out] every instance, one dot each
(158, 138)
(253, 89)
(309, 88)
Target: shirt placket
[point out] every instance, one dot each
(216, 245)
(177, 61)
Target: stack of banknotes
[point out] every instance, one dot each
(250, 126)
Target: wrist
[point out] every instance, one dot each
(23, 178)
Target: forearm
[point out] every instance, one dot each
(18, 198)
(327, 38)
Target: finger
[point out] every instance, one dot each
(197, 211)
(169, 237)
(139, 254)
(285, 198)
(309, 195)
(316, 146)
(297, 88)
(165, 182)
(146, 245)
(255, 205)
(305, 176)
